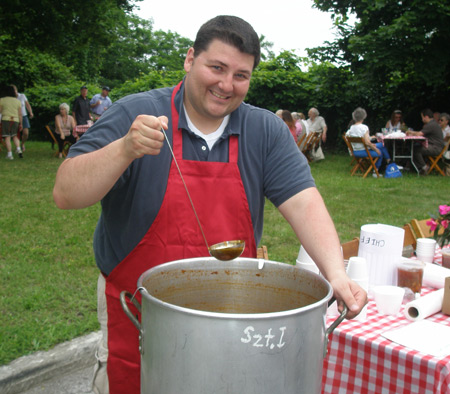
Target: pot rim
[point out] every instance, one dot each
(237, 316)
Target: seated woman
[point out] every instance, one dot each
(358, 129)
(396, 122)
(64, 124)
(443, 122)
(299, 125)
(290, 122)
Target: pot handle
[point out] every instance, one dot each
(123, 296)
(333, 325)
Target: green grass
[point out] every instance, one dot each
(47, 270)
(354, 201)
(48, 275)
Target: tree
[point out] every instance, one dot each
(168, 51)
(396, 51)
(74, 32)
(99, 42)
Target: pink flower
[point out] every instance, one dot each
(444, 209)
(445, 223)
(432, 224)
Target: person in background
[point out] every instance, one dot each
(433, 132)
(317, 123)
(443, 122)
(301, 129)
(232, 156)
(279, 112)
(81, 107)
(436, 116)
(64, 124)
(396, 122)
(11, 115)
(100, 103)
(299, 124)
(26, 122)
(303, 119)
(289, 120)
(358, 129)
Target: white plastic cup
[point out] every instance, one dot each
(305, 261)
(425, 257)
(304, 256)
(357, 268)
(425, 244)
(425, 249)
(308, 265)
(388, 299)
(358, 272)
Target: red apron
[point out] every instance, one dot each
(221, 203)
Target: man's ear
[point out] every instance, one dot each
(189, 60)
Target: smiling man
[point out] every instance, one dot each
(232, 155)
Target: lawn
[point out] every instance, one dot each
(47, 270)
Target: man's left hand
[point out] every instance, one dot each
(349, 293)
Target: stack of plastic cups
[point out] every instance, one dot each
(358, 272)
(425, 249)
(305, 261)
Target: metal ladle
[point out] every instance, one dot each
(223, 251)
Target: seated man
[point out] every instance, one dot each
(358, 129)
(432, 131)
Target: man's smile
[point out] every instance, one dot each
(218, 95)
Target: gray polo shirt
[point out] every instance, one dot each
(269, 162)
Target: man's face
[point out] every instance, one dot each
(105, 93)
(83, 92)
(425, 119)
(311, 114)
(217, 82)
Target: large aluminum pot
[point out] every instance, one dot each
(245, 326)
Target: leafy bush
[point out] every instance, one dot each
(26, 68)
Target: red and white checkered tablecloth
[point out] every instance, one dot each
(423, 140)
(80, 129)
(360, 360)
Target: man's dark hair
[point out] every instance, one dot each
(427, 112)
(9, 91)
(230, 30)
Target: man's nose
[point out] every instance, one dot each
(226, 82)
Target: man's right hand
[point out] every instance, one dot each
(145, 136)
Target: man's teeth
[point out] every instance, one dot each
(218, 95)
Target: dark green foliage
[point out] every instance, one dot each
(394, 57)
(396, 52)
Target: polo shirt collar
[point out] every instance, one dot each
(232, 127)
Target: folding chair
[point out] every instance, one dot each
(301, 141)
(312, 141)
(350, 248)
(421, 228)
(435, 159)
(410, 237)
(350, 152)
(261, 253)
(55, 141)
(364, 161)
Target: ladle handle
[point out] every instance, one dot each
(185, 187)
